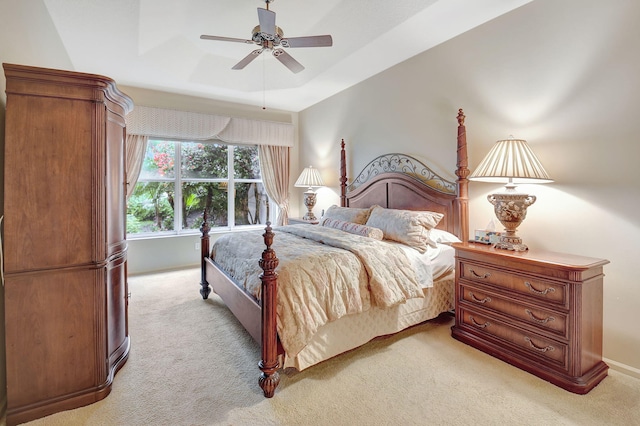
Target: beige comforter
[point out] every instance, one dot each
(324, 274)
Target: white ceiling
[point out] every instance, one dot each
(155, 44)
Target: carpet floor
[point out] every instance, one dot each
(191, 363)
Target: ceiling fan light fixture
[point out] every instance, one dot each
(269, 36)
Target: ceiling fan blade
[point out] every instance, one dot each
(247, 59)
(310, 41)
(236, 40)
(287, 60)
(267, 20)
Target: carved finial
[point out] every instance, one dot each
(342, 144)
(204, 228)
(462, 171)
(268, 235)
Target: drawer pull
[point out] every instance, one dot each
(543, 292)
(477, 324)
(483, 276)
(538, 320)
(475, 299)
(537, 348)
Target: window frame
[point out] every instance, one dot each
(178, 180)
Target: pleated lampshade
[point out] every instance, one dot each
(511, 159)
(309, 178)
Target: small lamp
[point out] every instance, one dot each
(309, 178)
(512, 161)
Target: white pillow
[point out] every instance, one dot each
(440, 236)
(347, 214)
(405, 226)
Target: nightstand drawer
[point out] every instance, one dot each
(549, 291)
(533, 345)
(544, 319)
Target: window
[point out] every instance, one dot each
(224, 179)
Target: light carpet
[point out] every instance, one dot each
(191, 363)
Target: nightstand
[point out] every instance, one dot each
(537, 310)
(297, 220)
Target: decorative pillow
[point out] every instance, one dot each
(354, 228)
(440, 236)
(347, 214)
(405, 226)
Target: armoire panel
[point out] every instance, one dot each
(53, 329)
(48, 183)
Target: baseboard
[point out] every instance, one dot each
(623, 368)
(161, 271)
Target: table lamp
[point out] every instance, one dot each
(511, 161)
(309, 178)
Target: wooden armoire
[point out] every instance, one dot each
(64, 239)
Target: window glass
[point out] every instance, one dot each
(200, 195)
(158, 160)
(245, 162)
(252, 204)
(151, 208)
(204, 160)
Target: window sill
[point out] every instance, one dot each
(195, 232)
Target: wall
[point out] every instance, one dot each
(564, 76)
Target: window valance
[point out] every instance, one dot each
(174, 124)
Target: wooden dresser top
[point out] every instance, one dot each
(533, 256)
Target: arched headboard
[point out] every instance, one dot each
(398, 181)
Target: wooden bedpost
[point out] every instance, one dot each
(270, 377)
(462, 171)
(204, 253)
(343, 176)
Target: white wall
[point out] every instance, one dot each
(562, 74)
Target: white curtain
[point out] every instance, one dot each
(174, 124)
(136, 147)
(274, 166)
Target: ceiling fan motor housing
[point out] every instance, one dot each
(260, 37)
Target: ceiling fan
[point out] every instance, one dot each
(270, 37)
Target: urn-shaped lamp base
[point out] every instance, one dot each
(511, 208)
(309, 202)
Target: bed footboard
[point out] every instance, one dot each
(258, 320)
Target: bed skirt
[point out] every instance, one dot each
(352, 331)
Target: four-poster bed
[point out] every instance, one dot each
(395, 183)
